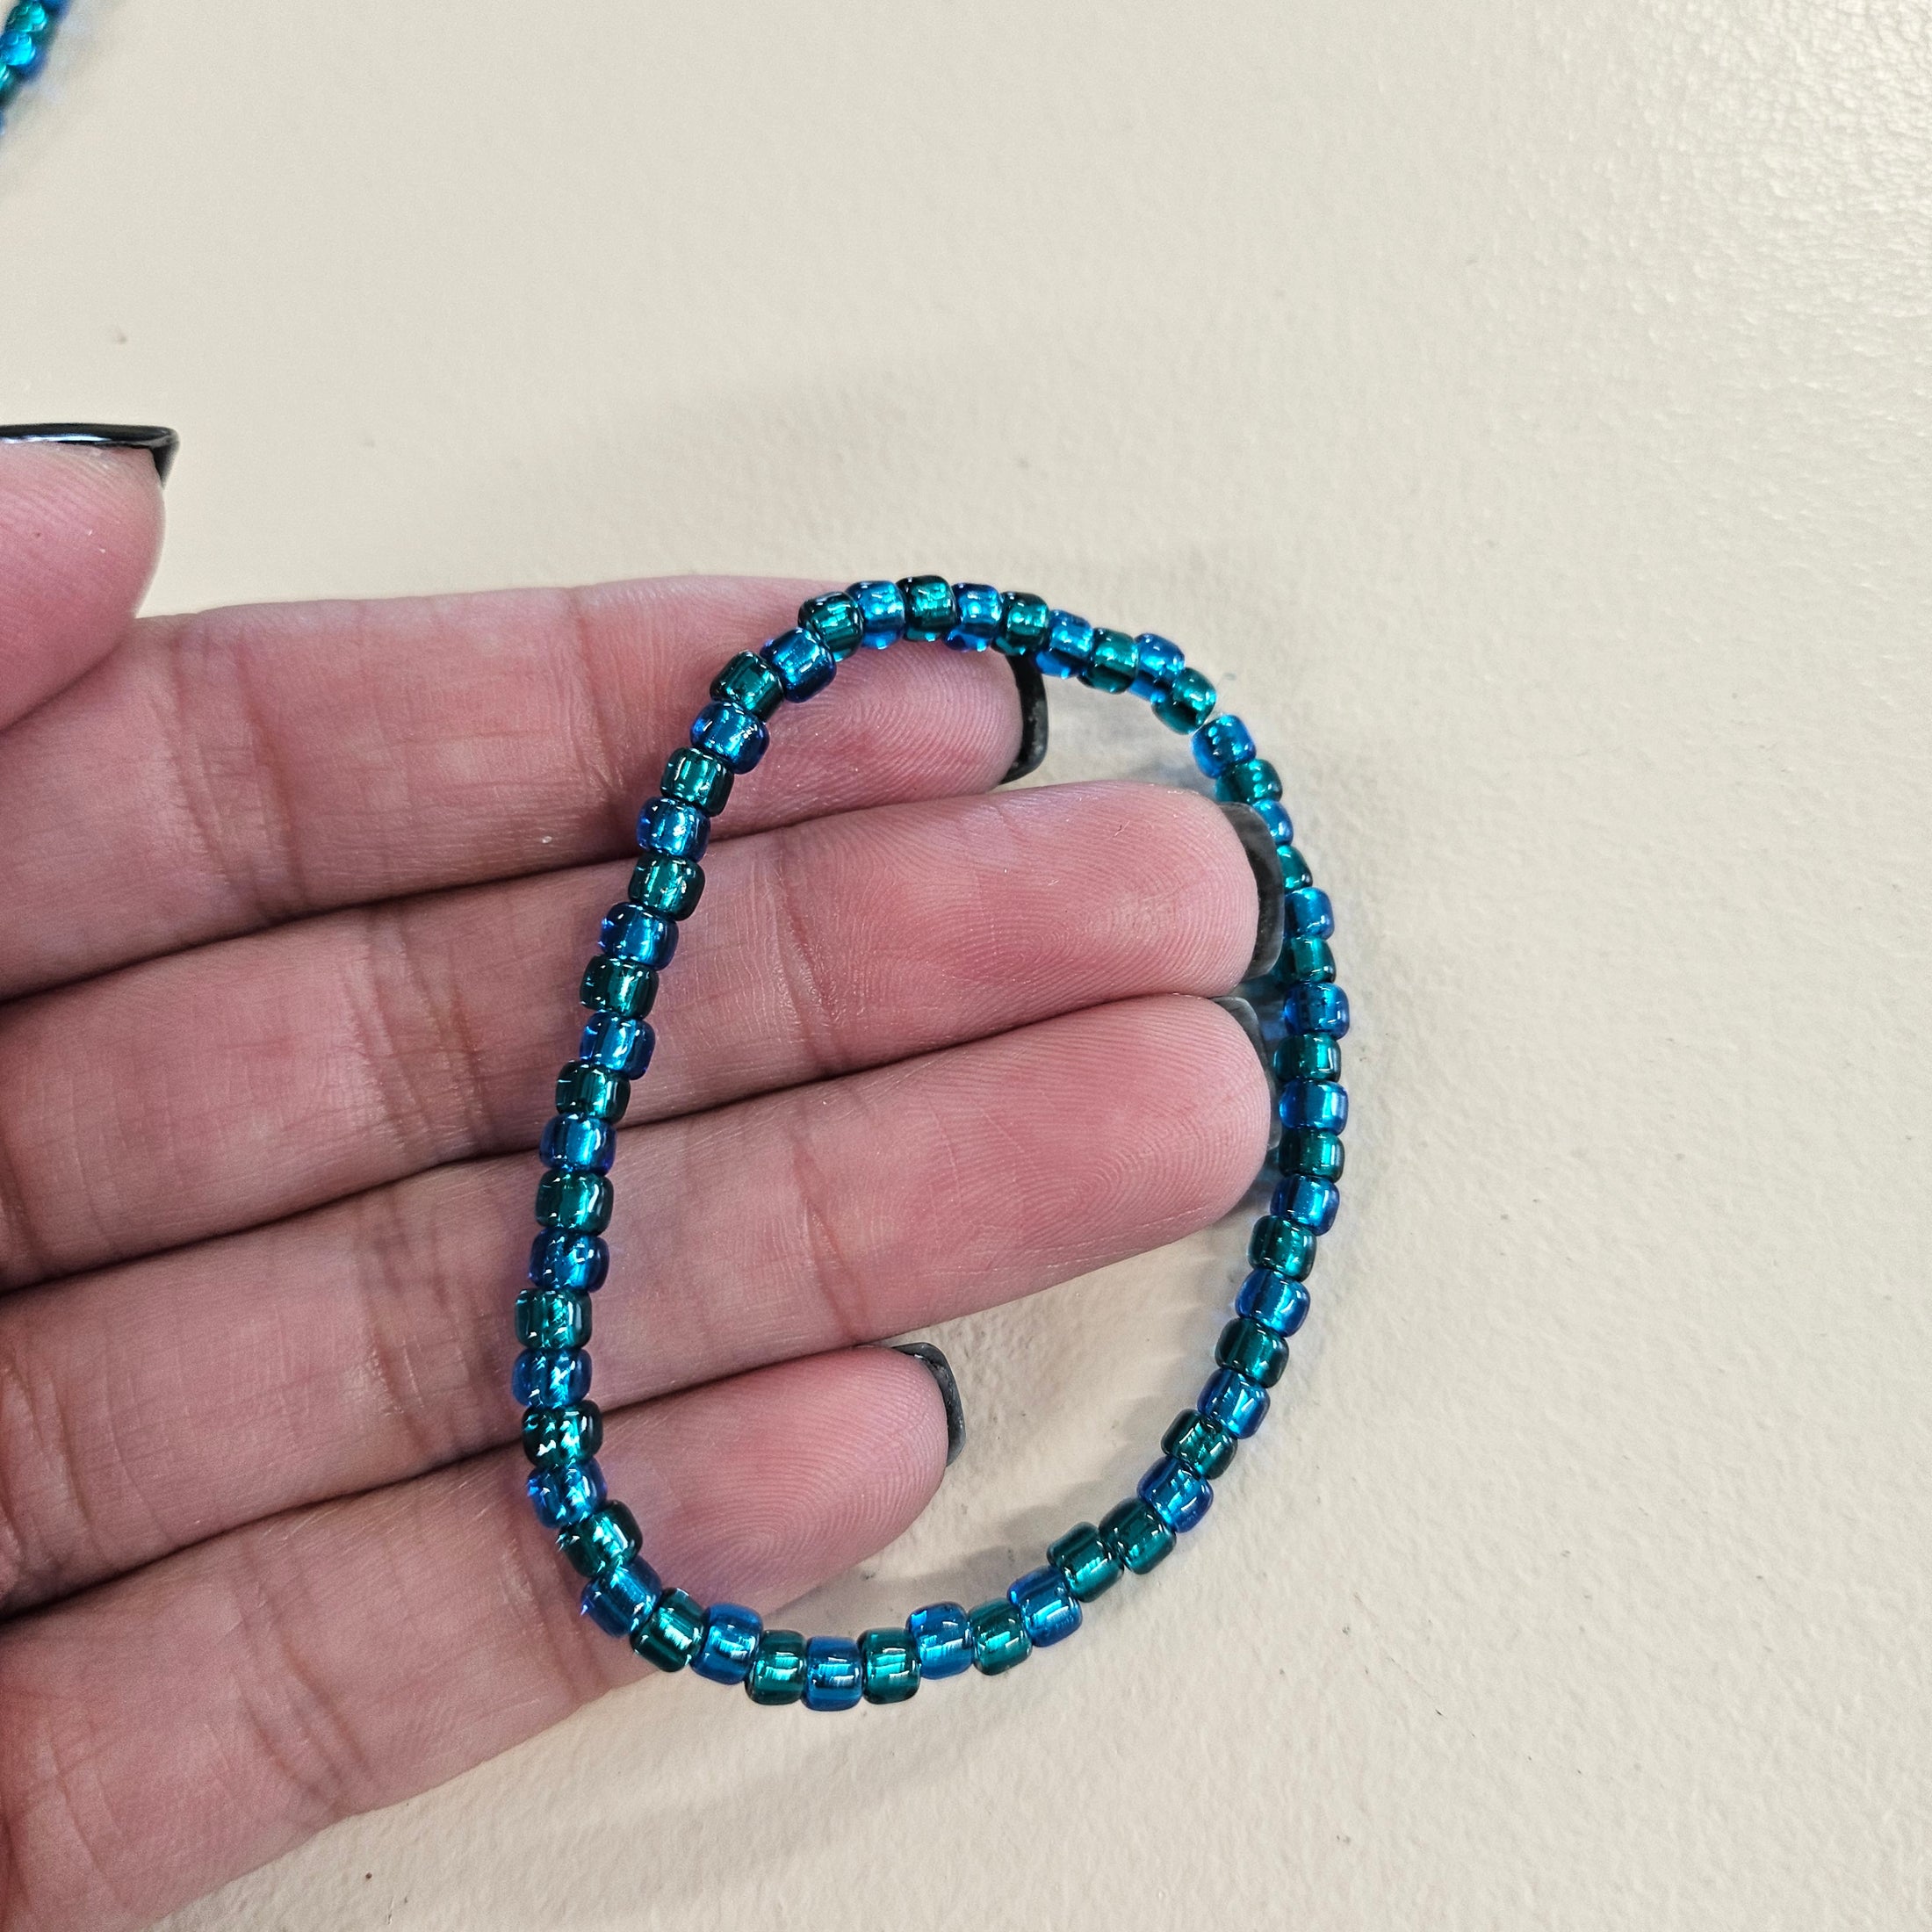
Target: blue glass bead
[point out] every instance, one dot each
(637, 935)
(1136, 1535)
(1082, 1556)
(1024, 625)
(931, 610)
(669, 1637)
(777, 1674)
(583, 1089)
(1046, 1605)
(1199, 1445)
(551, 1377)
(1274, 815)
(730, 1642)
(552, 1318)
(1252, 1351)
(29, 17)
(1310, 916)
(1295, 868)
(943, 1639)
(614, 986)
(566, 1495)
(1321, 1105)
(981, 611)
(1247, 783)
(573, 1261)
(615, 1601)
(1277, 1301)
(1305, 960)
(1306, 1203)
(1069, 648)
(1176, 1495)
(23, 54)
(1318, 1155)
(677, 830)
(692, 777)
(752, 685)
(569, 1141)
(553, 1436)
(884, 608)
(836, 620)
(1156, 664)
(1111, 667)
(1186, 702)
(1221, 742)
(1233, 1401)
(834, 1674)
(605, 1540)
(576, 1203)
(730, 733)
(1308, 1056)
(1273, 1242)
(616, 1044)
(804, 664)
(999, 1637)
(889, 1662)
(667, 889)
(1316, 1006)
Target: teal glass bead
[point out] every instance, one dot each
(999, 1637)
(1069, 648)
(615, 1601)
(617, 986)
(23, 54)
(1082, 1556)
(566, 1495)
(884, 607)
(669, 1636)
(889, 1664)
(575, 1140)
(835, 1675)
(1186, 702)
(1111, 667)
(1276, 1301)
(1024, 625)
(9, 85)
(1252, 1351)
(943, 1639)
(1047, 1607)
(553, 1436)
(636, 934)
(1306, 960)
(29, 17)
(1248, 783)
(1308, 1056)
(617, 1045)
(930, 609)
(1308, 1203)
(1229, 1398)
(1318, 1155)
(578, 1203)
(731, 1643)
(1294, 868)
(1274, 816)
(677, 830)
(750, 683)
(836, 620)
(1273, 1242)
(1136, 1536)
(583, 1089)
(1176, 1495)
(1221, 742)
(551, 1377)
(1316, 1006)
(802, 665)
(1199, 1445)
(1310, 916)
(777, 1674)
(1156, 664)
(603, 1541)
(692, 777)
(731, 734)
(1320, 1105)
(552, 1318)
(670, 888)
(981, 610)
(577, 1264)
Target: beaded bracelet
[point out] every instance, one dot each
(1303, 1016)
(25, 35)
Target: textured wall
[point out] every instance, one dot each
(1525, 407)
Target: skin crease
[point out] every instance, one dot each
(258, 1236)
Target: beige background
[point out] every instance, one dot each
(1525, 408)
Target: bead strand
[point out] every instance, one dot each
(1304, 1015)
(25, 35)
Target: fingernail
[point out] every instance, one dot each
(1250, 1022)
(1032, 718)
(1270, 926)
(948, 1392)
(161, 444)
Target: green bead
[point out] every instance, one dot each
(1136, 1535)
(889, 1660)
(1318, 1155)
(605, 1540)
(1083, 1558)
(1116, 661)
(1199, 1445)
(553, 1436)
(552, 1318)
(671, 888)
(777, 1674)
(836, 620)
(1279, 1244)
(750, 683)
(1252, 1351)
(1024, 627)
(670, 1635)
(930, 609)
(999, 1637)
(1306, 959)
(1251, 782)
(594, 1092)
(574, 1200)
(1309, 1056)
(696, 778)
(616, 986)
(1187, 703)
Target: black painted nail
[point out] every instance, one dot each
(161, 444)
(948, 1392)
(1032, 718)
(1250, 1023)
(1270, 927)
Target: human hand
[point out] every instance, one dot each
(296, 899)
